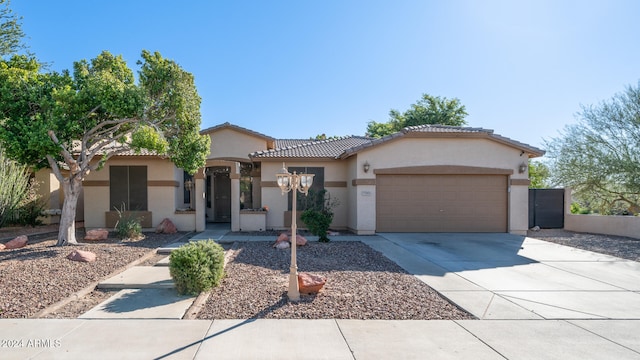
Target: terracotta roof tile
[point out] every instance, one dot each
(331, 148)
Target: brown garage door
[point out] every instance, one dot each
(441, 203)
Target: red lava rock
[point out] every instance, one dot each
(310, 283)
(300, 240)
(20, 241)
(166, 227)
(281, 240)
(96, 235)
(81, 255)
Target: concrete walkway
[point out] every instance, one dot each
(538, 301)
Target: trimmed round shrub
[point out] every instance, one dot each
(197, 266)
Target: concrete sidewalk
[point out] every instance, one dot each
(319, 339)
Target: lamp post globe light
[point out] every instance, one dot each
(294, 183)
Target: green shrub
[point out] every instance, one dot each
(319, 215)
(14, 185)
(128, 226)
(197, 266)
(32, 207)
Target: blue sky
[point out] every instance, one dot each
(295, 69)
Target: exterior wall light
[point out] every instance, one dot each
(522, 168)
(366, 166)
(293, 182)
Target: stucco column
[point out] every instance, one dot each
(234, 175)
(199, 200)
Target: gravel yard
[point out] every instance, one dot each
(619, 246)
(362, 284)
(39, 275)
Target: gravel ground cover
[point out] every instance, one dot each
(619, 246)
(361, 284)
(39, 275)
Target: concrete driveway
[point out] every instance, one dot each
(503, 276)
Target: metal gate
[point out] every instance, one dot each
(546, 208)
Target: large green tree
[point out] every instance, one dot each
(77, 121)
(539, 175)
(428, 110)
(599, 156)
(11, 34)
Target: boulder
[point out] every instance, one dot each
(300, 240)
(20, 241)
(166, 227)
(310, 283)
(282, 237)
(96, 235)
(81, 255)
(2, 246)
(281, 245)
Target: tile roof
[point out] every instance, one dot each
(283, 143)
(236, 127)
(438, 130)
(331, 148)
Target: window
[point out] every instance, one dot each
(318, 185)
(186, 194)
(128, 187)
(246, 186)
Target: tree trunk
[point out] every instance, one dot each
(67, 230)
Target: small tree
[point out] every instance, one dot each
(428, 110)
(599, 156)
(80, 120)
(319, 214)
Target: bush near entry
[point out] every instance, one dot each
(197, 266)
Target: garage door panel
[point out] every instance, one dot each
(441, 203)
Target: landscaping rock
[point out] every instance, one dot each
(300, 240)
(166, 227)
(96, 235)
(310, 283)
(282, 237)
(81, 255)
(2, 246)
(281, 245)
(18, 242)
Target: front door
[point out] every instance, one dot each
(221, 197)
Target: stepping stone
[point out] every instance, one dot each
(169, 248)
(163, 262)
(142, 304)
(140, 277)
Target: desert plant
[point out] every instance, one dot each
(197, 266)
(319, 215)
(14, 185)
(128, 226)
(32, 206)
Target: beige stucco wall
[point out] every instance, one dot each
(408, 152)
(232, 144)
(161, 199)
(604, 224)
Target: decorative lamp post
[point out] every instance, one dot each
(293, 182)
